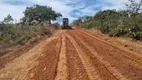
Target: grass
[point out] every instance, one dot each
(11, 35)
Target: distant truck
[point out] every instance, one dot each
(66, 24)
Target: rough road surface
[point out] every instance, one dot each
(74, 55)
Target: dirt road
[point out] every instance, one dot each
(74, 55)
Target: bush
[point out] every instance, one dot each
(12, 34)
(120, 30)
(138, 36)
(115, 23)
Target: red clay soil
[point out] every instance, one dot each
(75, 55)
(4, 59)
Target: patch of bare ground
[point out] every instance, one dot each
(127, 43)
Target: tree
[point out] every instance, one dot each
(134, 7)
(8, 19)
(78, 21)
(40, 13)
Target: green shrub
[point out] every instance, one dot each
(22, 33)
(138, 36)
(115, 23)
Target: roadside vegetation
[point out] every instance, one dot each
(127, 23)
(36, 21)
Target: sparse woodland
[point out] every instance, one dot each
(127, 23)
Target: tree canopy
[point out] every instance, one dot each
(133, 6)
(39, 13)
(8, 19)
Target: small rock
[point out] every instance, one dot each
(44, 69)
(126, 46)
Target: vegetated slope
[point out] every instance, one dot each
(36, 20)
(13, 34)
(125, 22)
(75, 55)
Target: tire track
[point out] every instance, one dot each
(46, 69)
(91, 71)
(128, 54)
(62, 72)
(112, 70)
(131, 60)
(75, 67)
(18, 69)
(127, 66)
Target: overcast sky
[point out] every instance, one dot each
(68, 8)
